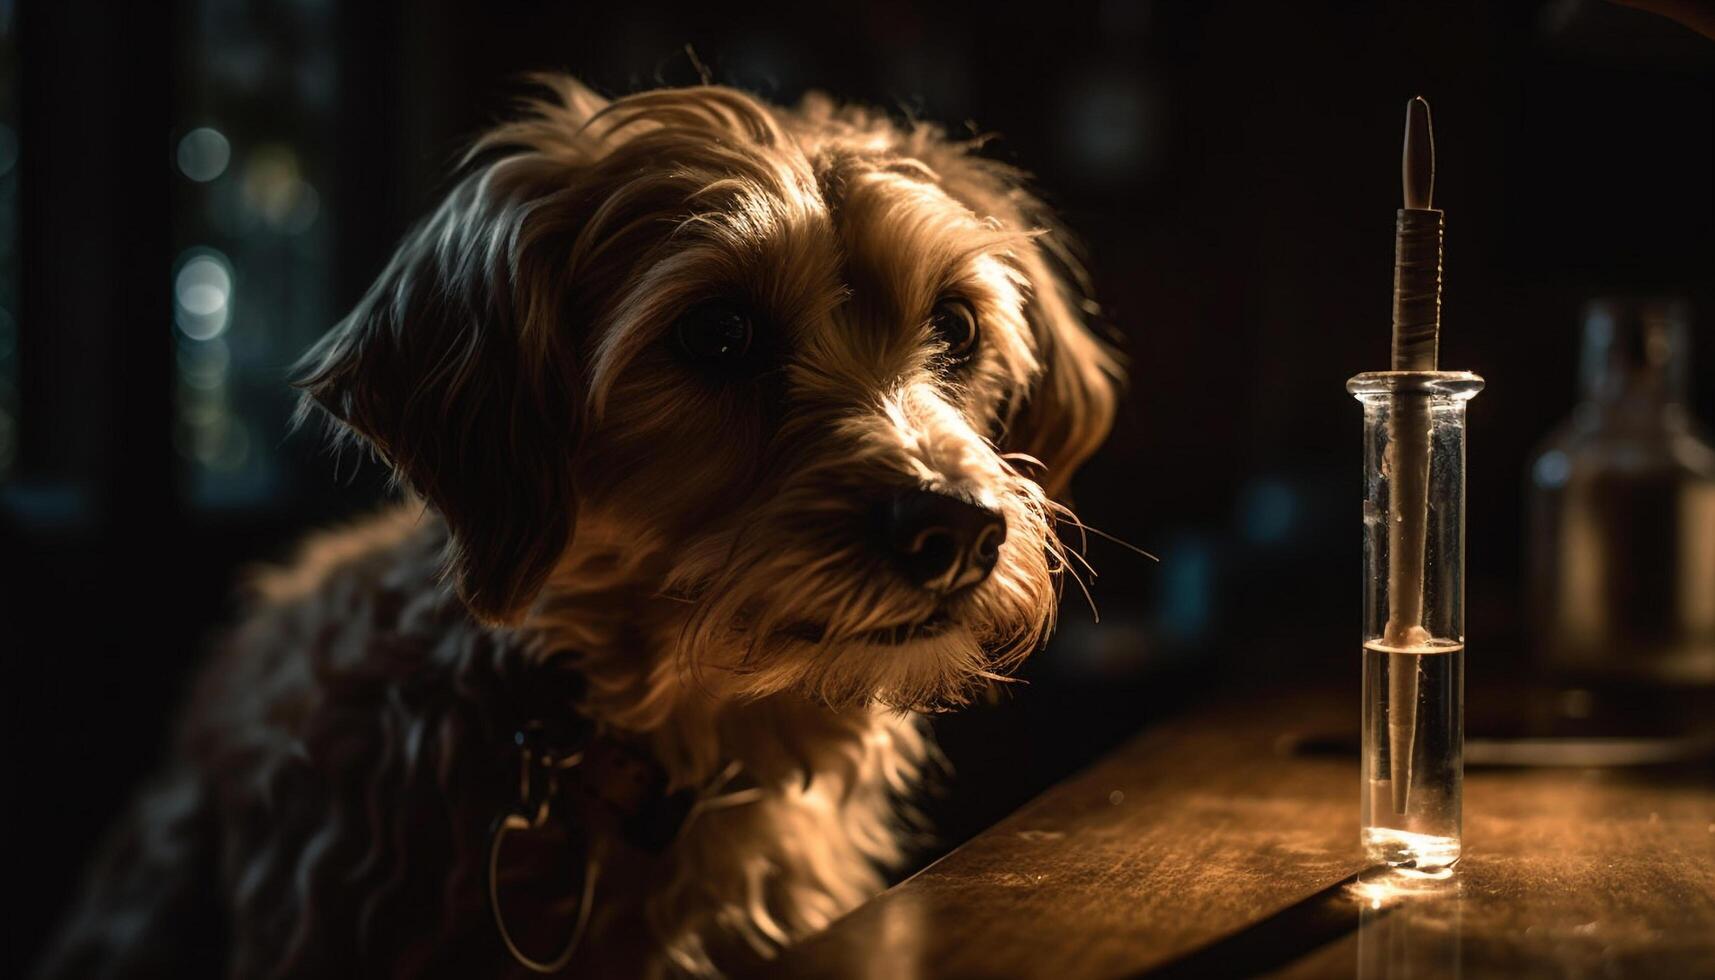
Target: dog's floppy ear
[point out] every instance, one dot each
(451, 369)
(1067, 414)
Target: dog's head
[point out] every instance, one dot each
(826, 369)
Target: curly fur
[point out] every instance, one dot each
(599, 529)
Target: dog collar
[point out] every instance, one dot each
(611, 781)
(601, 786)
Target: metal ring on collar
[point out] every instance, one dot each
(509, 823)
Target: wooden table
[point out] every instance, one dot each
(1205, 848)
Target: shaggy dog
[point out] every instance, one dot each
(733, 436)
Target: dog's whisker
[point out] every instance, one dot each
(1081, 560)
(1069, 517)
(1061, 514)
(1073, 575)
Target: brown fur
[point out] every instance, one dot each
(599, 506)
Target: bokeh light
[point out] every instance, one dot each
(204, 154)
(1110, 124)
(203, 365)
(210, 434)
(1269, 511)
(202, 294)
(274, 190)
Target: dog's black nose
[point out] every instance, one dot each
(942, 542)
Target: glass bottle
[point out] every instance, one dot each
(1621, 565)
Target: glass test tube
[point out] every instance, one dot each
(1414, 638)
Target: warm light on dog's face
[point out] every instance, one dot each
(753, 365)
(796, 396)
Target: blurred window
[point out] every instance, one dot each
(250, 288)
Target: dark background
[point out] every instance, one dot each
(1231, 166)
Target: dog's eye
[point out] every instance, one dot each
(714, 333)
(955, 324)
